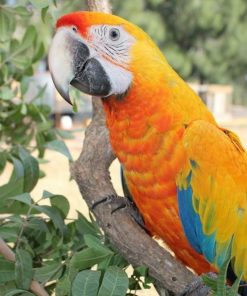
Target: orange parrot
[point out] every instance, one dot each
(187, 176)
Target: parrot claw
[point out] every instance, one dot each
(198, 287)
(100, 201)
(122, 203)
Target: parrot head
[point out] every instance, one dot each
(99, 54)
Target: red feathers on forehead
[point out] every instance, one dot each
(77, 19)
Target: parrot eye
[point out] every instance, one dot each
(74, 28)
(114, 34)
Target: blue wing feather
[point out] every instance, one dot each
(203, 244)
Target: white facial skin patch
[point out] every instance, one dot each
(111, 45)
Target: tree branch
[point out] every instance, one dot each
(92, 176)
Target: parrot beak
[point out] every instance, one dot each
(70, 63)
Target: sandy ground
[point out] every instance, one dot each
(57, 176)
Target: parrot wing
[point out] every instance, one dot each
(212, 195)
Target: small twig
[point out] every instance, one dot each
(23, 225)
(9, 255)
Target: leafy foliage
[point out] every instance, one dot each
(219, 285)
(67, 256)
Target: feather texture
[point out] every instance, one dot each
(215, 191)
(186, 175)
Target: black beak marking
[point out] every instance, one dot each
(91, 78)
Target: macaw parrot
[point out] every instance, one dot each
(187, 175)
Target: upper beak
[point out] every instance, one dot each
(63, 51)
(70, 63)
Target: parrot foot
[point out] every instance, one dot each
(122, 203)
(198, 287)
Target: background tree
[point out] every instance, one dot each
(203, 40)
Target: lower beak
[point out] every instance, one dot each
(70, 63)
(92, 79)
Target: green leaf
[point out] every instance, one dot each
(29, 37)
(43, 13)
(40, 140)
(103, 265)
(86, 283)
(24, 85)
(54, 214)
(88, 257)
(23, 109)
(141, 271)
(83, 226)
(31, 168)
(58, 201)
(65, 134)
(93, 242)
(15, 184)
(115, 282)
(6, 93)
(7, 287)
(59, 146)
(233, 291)
(61, 203)
(63, 287)
(40, 3)
(18, 292)
(21, 52)
(74, 106)
(47, 194)
(41, 93)
(39, 52)
(5, 22)
(3, 160)
(119, 261)
(48, 272)
(210, 282)
(21, 61)
(37, 224)
(22, 11)
(44, 126)
(7, 271)
(24, 198)
(10, 233)
(221, 279)
(23, 269)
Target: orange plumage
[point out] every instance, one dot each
(146, 141)
(186, 175)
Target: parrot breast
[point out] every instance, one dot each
(146, 135)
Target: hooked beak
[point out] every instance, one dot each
(70, 63)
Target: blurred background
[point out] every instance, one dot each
(205, 41)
